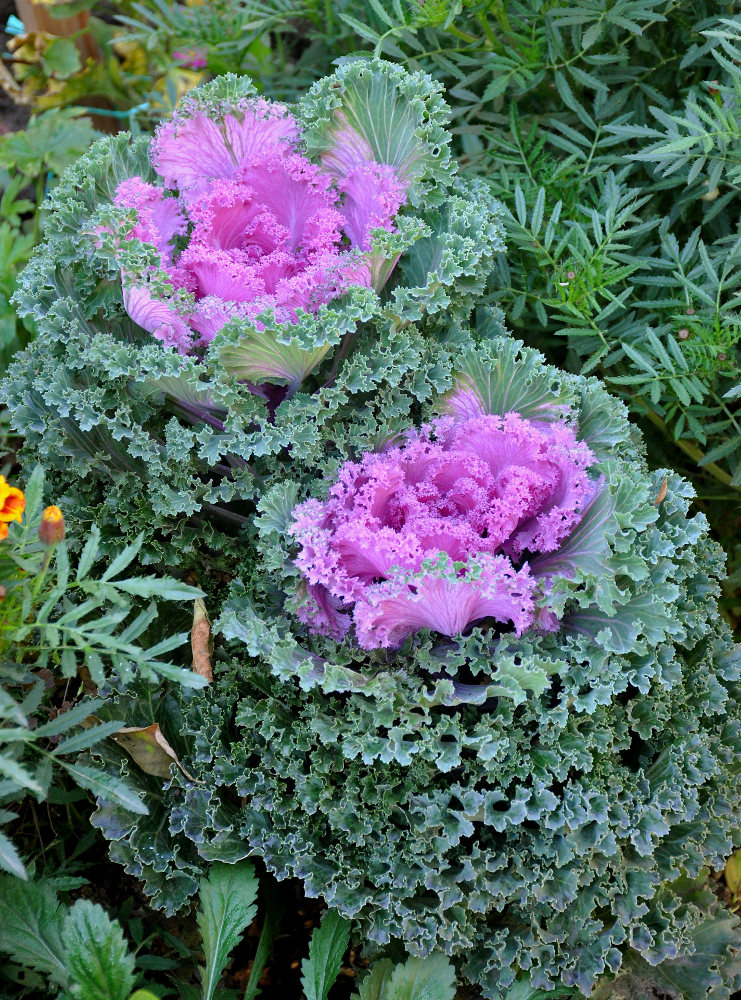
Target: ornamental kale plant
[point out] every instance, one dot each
(190, 285)
(474, 690)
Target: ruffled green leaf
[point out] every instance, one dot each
(503, 377)
(376, 111)
(286, 353)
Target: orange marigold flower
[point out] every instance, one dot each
(3, 530)
(52, 527)
(12, 502)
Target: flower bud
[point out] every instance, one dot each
(683, 334)
(52, 527)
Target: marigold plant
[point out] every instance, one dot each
(60, 623)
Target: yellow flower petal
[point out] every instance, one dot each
(12, 502)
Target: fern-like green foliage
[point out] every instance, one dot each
(58, 619)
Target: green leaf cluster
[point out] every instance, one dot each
(533, 804)
(610, 132)
(83, 953)
(34, 156)
(58, 623)
(79, 949)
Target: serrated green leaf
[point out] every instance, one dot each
(10, 768)
(326, 948)
(163, 587)
(34, 493)
(10, 859)
(227, 897)
(61, 58)
(66, 720)
(267, 935)
(86, 738)
(522, 989)
(105, 787)
(122, 560)
(32, 921)
(430, 978)
(97, 956)
(375, 984)
(89, 553)
(536, 219)
(362, 29)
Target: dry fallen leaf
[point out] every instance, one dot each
(662, 493)
(149, 749)
(733, 873)
(200, 641)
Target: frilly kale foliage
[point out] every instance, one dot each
(528, 805)
(142, 437)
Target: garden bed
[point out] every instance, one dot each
(370, 538)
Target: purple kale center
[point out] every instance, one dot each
(478, 497)
(265, 227)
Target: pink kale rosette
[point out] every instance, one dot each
(264, 227)
(256, 216)
(439, 533)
